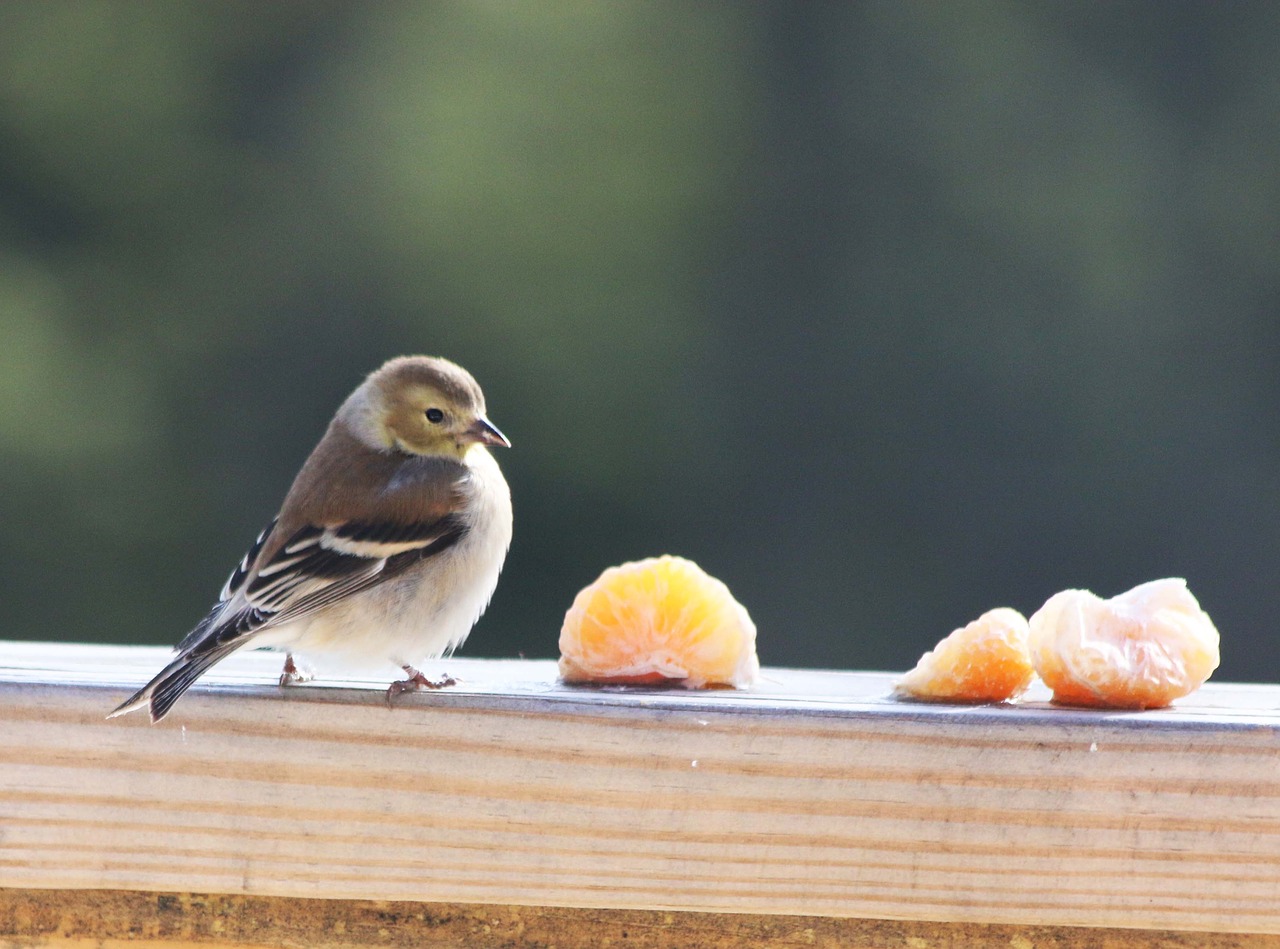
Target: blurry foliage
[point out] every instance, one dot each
(885, 313)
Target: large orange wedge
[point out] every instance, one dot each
(656, 620)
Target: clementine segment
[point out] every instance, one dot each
(1141, 649)
(655, 620)
(986, 661)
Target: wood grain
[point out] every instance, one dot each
(813, 795)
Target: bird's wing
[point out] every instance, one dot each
(311, 555)
(241, 572)
(318, 566)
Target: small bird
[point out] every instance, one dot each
(388, 545)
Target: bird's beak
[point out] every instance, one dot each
(486, 433)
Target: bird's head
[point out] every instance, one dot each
(421, 405)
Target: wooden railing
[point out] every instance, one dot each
(512, 810)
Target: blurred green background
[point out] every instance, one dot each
(886, 313)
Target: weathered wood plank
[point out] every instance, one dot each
(104, 919)
(814, 795)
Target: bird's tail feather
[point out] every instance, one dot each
(173, 680)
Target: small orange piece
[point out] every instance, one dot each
(656, 620)
(1141, 649)
(986, 661)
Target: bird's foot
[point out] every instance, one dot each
(292, 675)
(415, 681)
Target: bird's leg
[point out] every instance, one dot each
(292, 675)
(415, 681)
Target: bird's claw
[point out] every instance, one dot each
(292, 675)
(415, 682)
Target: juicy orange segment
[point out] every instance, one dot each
(986, 661)
(1141, 649)
(656, 620)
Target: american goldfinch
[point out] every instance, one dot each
(387, 547)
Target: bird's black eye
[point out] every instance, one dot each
(435, 416)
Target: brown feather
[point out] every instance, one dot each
(416, 489)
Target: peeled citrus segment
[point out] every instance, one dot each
(655, 620)
(1141, 649)
(986, 661)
